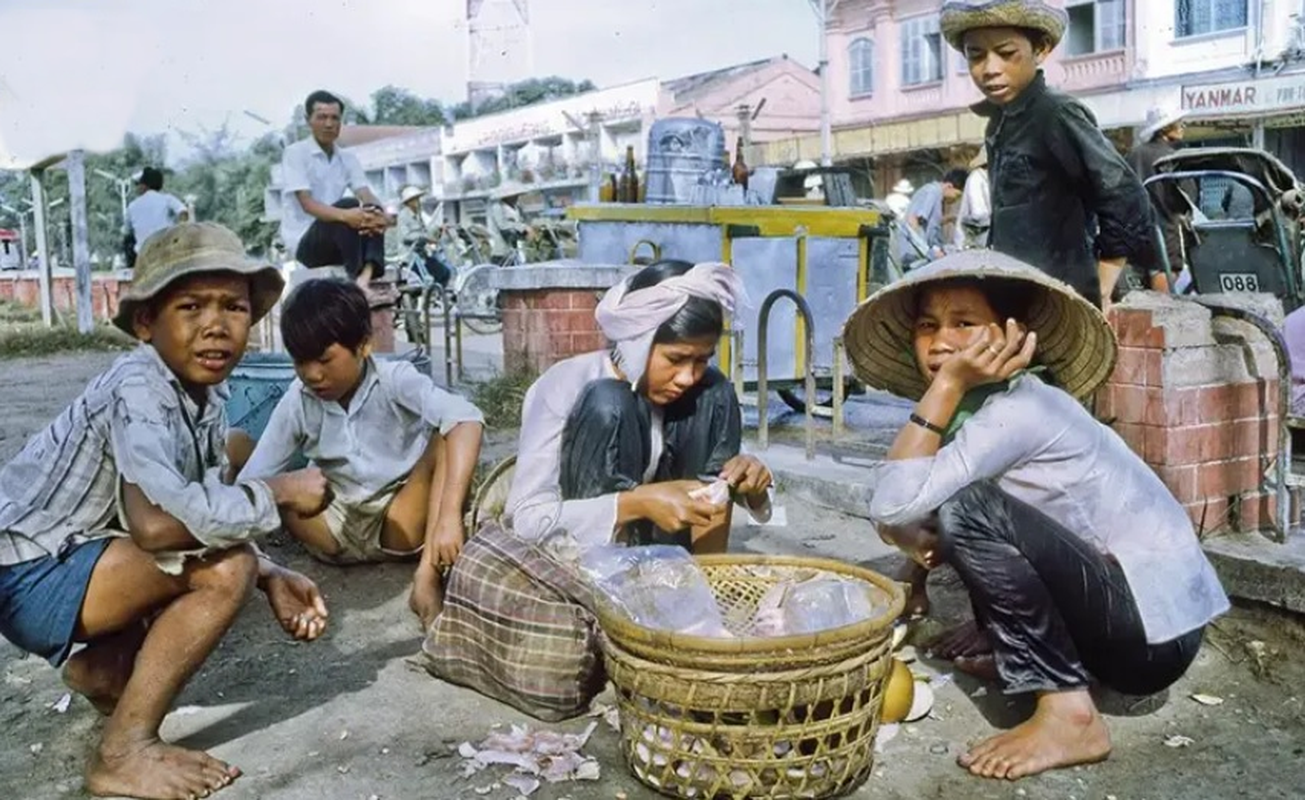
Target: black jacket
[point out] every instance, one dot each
(1053, 173)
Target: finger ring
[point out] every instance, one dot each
(993, 350)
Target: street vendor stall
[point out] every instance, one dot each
(830, 257)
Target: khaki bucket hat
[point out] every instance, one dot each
(1075, 343)
(958, 17)
(193, 248)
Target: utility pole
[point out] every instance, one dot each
(81, 251)
(42, 240)
(823, 9)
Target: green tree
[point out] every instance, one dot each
(392, 105)
(525, 93)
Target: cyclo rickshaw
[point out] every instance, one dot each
(1238, 210)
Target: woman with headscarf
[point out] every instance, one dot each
(616, 444)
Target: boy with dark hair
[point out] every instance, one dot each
(398, 452)
(1051, 168)
(120, 529)
(924, 238)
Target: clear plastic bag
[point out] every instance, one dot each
(657, 586)
(823, 603)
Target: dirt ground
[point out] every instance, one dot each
(348, 717)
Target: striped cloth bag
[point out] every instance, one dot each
(517, 627)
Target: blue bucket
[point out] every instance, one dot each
(261, 379)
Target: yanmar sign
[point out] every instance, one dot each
(1248, 98)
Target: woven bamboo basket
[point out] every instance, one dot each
(783, 717)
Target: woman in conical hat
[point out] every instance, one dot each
(622, 442)
(1080, 564)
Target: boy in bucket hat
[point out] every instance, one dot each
(1051, 168)
(120, 529)
(1080, 564)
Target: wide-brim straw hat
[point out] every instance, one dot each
(510, 189)
(1157, 119)
(960, 17)
(1075, 343)
(410, 192)
(195, 248)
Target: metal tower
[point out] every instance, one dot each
(500, 51)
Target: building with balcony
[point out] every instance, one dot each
(900, 96)
(1237, 66)
(552, 147)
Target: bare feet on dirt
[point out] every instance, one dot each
(1064, 730)
(153, 770)
(966, 639)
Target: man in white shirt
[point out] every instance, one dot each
(319, 225)
(151, 211)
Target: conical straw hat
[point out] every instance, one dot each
(1075, 343)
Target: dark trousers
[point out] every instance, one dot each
(607, 442)
(334, 244)
(1057, 609)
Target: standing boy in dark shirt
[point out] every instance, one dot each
(1051, 167)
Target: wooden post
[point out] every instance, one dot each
(41, 235)
(81, 250)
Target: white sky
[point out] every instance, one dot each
(79, 73)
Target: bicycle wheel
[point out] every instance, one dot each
(487, 316)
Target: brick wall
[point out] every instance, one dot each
(544, 326)
(105, 290)
(1197, 398)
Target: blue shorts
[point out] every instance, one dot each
(41, 599)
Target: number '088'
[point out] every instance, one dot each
(1239, 283)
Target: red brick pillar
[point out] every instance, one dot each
(545, 326)
(548, 312)
(1198, 399)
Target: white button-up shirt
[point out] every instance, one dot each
(367, 448)
(1042, 447)
(306, 166)
(150, 213)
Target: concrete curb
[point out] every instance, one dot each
(1252, 567)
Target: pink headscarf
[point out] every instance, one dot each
(629, 320)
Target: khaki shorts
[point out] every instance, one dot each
(357, 527)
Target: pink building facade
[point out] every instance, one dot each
(900, 95)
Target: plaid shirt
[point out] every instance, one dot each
(135, 424)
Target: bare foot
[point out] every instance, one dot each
(1064, 730)
(152, 770)
(100, 671)
(965, 639)
(983, 667)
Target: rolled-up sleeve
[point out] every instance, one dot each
(535, 506)
(143, 442)
(294, 170)
(1117, 197)
(440, 409)
(1009, 429)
